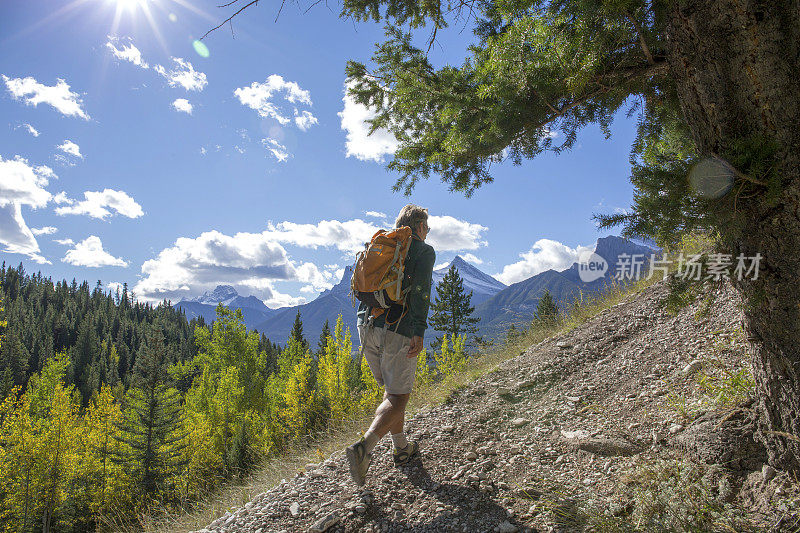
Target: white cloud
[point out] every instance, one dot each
(61, 198)
(276, 149)
(192, 265)
(65, 242)
(69, 147)
(21, 184)
(15, 234)
(441, 265)
(319, 280)
(46, 230)
(305, 120)
(259, 96)
(24, 184)
(59, 96)
(255, 262)
(375, 214)
(184, 75)
(472, 259)
(545, 254)
(359, 143)
(183, 105)
(203, 150)
(63, 160)
(114, 286)
(99, 204)
(449, 234)
(347, 236)
(89, 253)
(127, 53)
(30, 129)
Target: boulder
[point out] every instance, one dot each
(607, 447)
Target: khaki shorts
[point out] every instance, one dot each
(387, 356)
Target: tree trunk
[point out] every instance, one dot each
(737, 73)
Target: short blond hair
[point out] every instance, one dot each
(410, 216)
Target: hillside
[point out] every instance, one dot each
(603, 427)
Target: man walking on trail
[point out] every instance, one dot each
(391, 351)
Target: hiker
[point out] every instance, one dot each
(391, 347)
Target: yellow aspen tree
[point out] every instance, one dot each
(273, 433)
(17, 463)
(452, 358)
(299, 398)
(334, 377)
(103, 415)
(423, 371)
(371, 392)
(57, 430)
(225, 417)
(459, 354)
(202, 460)
(443, 358)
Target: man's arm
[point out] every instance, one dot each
(419, 298)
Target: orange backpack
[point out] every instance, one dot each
(378, 274)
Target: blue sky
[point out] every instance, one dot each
(153, 165)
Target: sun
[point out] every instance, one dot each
(129, 5)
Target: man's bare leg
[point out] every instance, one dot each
(390, 415)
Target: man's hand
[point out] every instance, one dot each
(416, 346)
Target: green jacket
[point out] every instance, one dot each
(418, 272)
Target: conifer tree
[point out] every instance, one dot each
(297, 331)
(546, 309)
(451, 310)
(323, 337)
(512, 333)
(151, 426)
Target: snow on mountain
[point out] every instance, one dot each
(224, 294)
(482, 285)
(253, 309)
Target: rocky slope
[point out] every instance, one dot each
(570, 435)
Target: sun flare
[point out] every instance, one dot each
(129, 5)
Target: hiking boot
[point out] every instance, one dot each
(359, 461)
(407, 454)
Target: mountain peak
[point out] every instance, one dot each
(609, 248)
(222, 293)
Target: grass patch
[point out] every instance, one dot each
(675, 495)
(724, 384)
(686, 409)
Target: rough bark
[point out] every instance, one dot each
(736, 69)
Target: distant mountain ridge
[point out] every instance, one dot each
(253, 309)
(517, 303)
